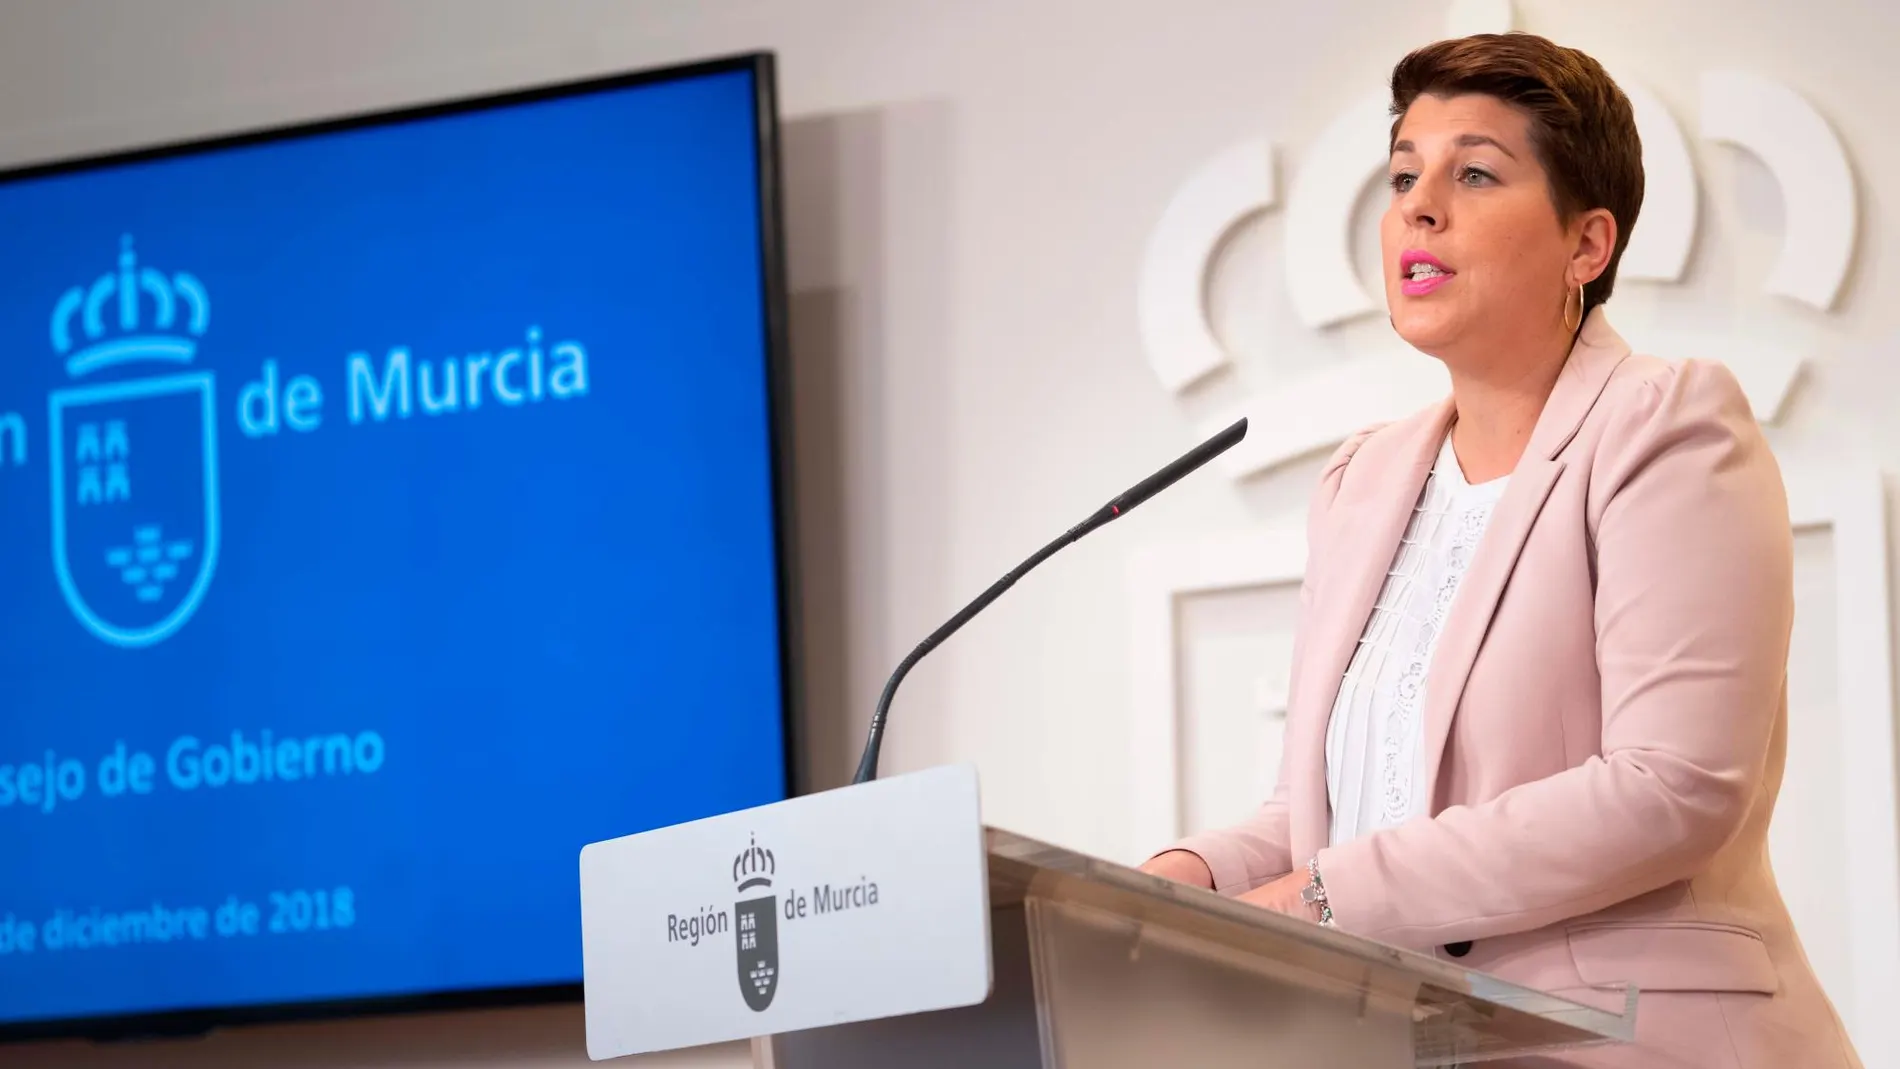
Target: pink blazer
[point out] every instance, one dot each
(1605, 719)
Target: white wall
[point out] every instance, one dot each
(970, 188)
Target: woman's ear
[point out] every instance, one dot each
(1595, 240)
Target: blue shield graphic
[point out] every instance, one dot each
(135, 503)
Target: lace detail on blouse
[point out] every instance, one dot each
(1373, 741)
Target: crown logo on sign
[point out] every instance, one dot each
(754, 867)
(132, 313)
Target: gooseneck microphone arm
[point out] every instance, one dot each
(1114, 510)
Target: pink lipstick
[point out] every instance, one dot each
(1422, 273)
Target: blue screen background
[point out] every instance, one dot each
(533, 625)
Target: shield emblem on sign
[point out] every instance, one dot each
(757, 921)
(135, 503)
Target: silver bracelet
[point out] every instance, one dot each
(1314, 894)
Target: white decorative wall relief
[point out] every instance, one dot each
(1212, 619)
(1322, 407)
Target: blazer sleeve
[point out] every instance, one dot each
(1257, 849)
(1694, 607)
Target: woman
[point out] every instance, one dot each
(1538, 713)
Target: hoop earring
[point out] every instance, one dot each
(1568, 325)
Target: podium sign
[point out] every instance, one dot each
(850, 905)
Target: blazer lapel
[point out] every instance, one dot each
(1476, 601)
(1587, 370)
(1362, 537)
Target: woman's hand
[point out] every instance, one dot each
(1181, 866)
(1283, 896)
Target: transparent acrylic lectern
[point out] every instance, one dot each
(1097, 966)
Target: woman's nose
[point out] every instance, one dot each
(1423, 207)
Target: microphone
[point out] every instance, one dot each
(1114, 510)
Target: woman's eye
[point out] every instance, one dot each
(1472, 176)
(1403, 182)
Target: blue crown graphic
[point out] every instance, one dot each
(180, 312)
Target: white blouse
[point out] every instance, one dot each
(1373, 739)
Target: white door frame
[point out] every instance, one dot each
(1851, 501)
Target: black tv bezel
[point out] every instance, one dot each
(762, 66)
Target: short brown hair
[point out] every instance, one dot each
(1582, 127)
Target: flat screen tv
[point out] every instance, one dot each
(389, 506)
